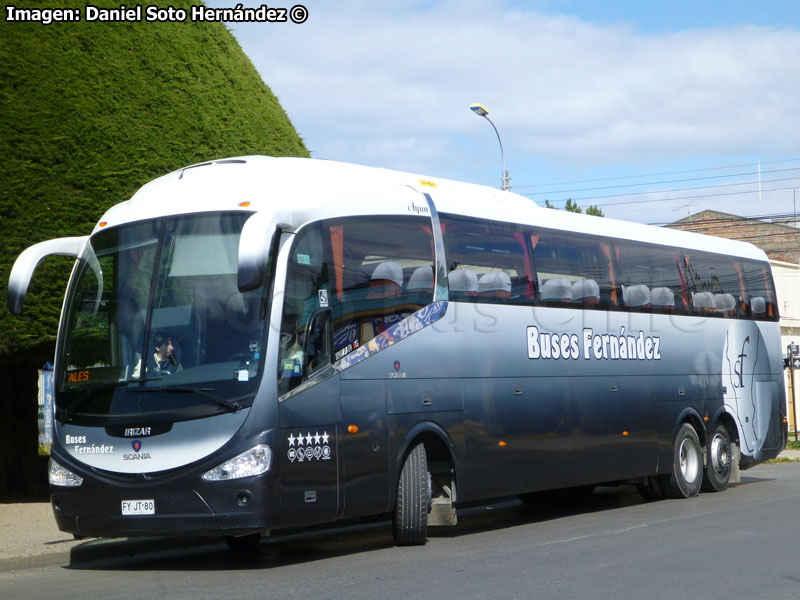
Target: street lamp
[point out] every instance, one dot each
(481, 111)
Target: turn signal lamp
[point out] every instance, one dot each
(352, 429)
(244, 204)
(255, 461)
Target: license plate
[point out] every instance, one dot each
(138, 507)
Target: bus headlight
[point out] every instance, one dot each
(58, 475)
(255, 461)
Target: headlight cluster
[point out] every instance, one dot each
(255, 461)
(58, 475)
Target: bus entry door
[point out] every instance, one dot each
(309, 454)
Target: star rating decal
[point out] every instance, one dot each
(305, 447)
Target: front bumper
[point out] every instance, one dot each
(221, 508)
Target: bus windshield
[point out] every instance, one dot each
(155, 324)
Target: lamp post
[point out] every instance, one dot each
(481, 111)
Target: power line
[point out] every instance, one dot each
(738, 220)
(773, 162)
(704, 187)
(610, 187)
(673, 199)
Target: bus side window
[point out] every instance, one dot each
(384, 267)
(574, 270)
(651, 279)
(720, 286)
(489, 262)
(349, 280)
(302, 348)
(759, 291)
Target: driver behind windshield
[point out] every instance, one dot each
(165, 359)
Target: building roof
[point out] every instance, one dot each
(779, 241)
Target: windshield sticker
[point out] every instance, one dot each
(323, 298)
(307, 447)
(303, 259)
(590, 345)
(290, 367)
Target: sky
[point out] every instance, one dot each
(650, 110)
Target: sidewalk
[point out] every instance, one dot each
(29, 537)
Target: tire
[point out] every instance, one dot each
(717, 473)
(687, 465)
(410, 523)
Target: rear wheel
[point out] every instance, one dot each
(687, 465)
(717, 473)
(410, 523)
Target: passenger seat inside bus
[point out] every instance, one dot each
(725, 303)
(496, 284)
(463, 285)
(586, 291)
(421, 280)
(557, 289)
(636, 296)
(386, 281)
(663, 298)
(758, 306)
(703, 302)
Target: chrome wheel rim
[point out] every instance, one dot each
(720, 454)
(689, 460)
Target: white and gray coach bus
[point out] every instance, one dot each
(259, 344)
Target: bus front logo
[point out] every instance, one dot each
(136, 445)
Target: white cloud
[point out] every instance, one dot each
(389, 84)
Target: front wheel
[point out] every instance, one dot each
(687, 465)
(410, 523)
(717, 473)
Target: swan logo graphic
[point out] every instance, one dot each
(136, 445)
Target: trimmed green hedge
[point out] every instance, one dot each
(91, 111)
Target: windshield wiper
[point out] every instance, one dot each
(91, 392)
(233, 404)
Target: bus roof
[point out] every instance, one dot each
(313, 189)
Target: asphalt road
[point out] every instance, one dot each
(742, 543)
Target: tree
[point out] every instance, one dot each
(594, 211)
(572, 206)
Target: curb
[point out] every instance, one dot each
(96, 550)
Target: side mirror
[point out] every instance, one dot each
(255, 242)
(26, 264)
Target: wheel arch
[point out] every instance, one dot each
(439, 447)
(727, 419)
(693, 418)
